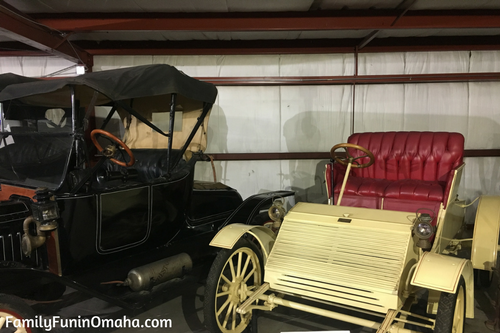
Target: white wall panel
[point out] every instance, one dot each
(248, 177)
(485, 61)
(381, 63)
(317, 65)
(484, 115)
(306, 178)
(314, 118)
(37, 66)
(436, 107)
(248, 120)
(481, 177)
(379, 108)
(241, 66)
(200, 66)
(249, 65)
(412, 107)
(436, 62)
(413, 63)
(104, 63)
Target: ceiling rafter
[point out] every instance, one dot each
(289, 21)
(300, 46)
(19, 27)
(403, 6)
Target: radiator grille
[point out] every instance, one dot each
(339, 262)
(10, 249)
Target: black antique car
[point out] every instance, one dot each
(111, 220)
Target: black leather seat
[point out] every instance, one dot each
(150, 164)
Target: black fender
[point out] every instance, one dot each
(253, 205)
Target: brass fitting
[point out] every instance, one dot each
(29, 242)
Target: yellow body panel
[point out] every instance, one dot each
(349, 255)
(450, 222)
(455, 183)
(229, 235)
(486, 229)
(442, 273)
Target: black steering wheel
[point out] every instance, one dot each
(348, 158)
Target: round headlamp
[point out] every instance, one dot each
(423, 227)
(276, 212)
(424, 230)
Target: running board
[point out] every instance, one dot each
(242, 309)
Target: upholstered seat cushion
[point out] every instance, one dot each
(416, 190)
(369, 187)
(396, 189)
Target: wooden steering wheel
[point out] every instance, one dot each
(349, 159)
(109, 152)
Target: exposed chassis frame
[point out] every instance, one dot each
(272, 301)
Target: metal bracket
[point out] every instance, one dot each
(243, 308)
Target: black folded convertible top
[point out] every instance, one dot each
(118, 84)
(10, 78)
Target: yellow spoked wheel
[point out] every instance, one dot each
(450, 316)
(234, 274)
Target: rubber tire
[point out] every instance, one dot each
(213, 279)
(21, 310)
(446, 309)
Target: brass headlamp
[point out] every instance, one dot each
(277, 212)
(424, 230)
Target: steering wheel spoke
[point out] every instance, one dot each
(359, 157)
(115, 140)
(349, 159)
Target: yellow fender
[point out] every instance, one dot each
(229, 235)
(442, 273)
(486, 229)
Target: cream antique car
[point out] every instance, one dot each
(390, 235)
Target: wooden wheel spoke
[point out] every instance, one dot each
(223, 306)
(234, 318)
(228, 313)
(250, 274)
(238, 268)
(226, 279)
(231, 266)
(245, 266)
(224, 293)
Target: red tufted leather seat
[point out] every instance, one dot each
(411, 168)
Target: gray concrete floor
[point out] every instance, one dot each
(184, 307)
